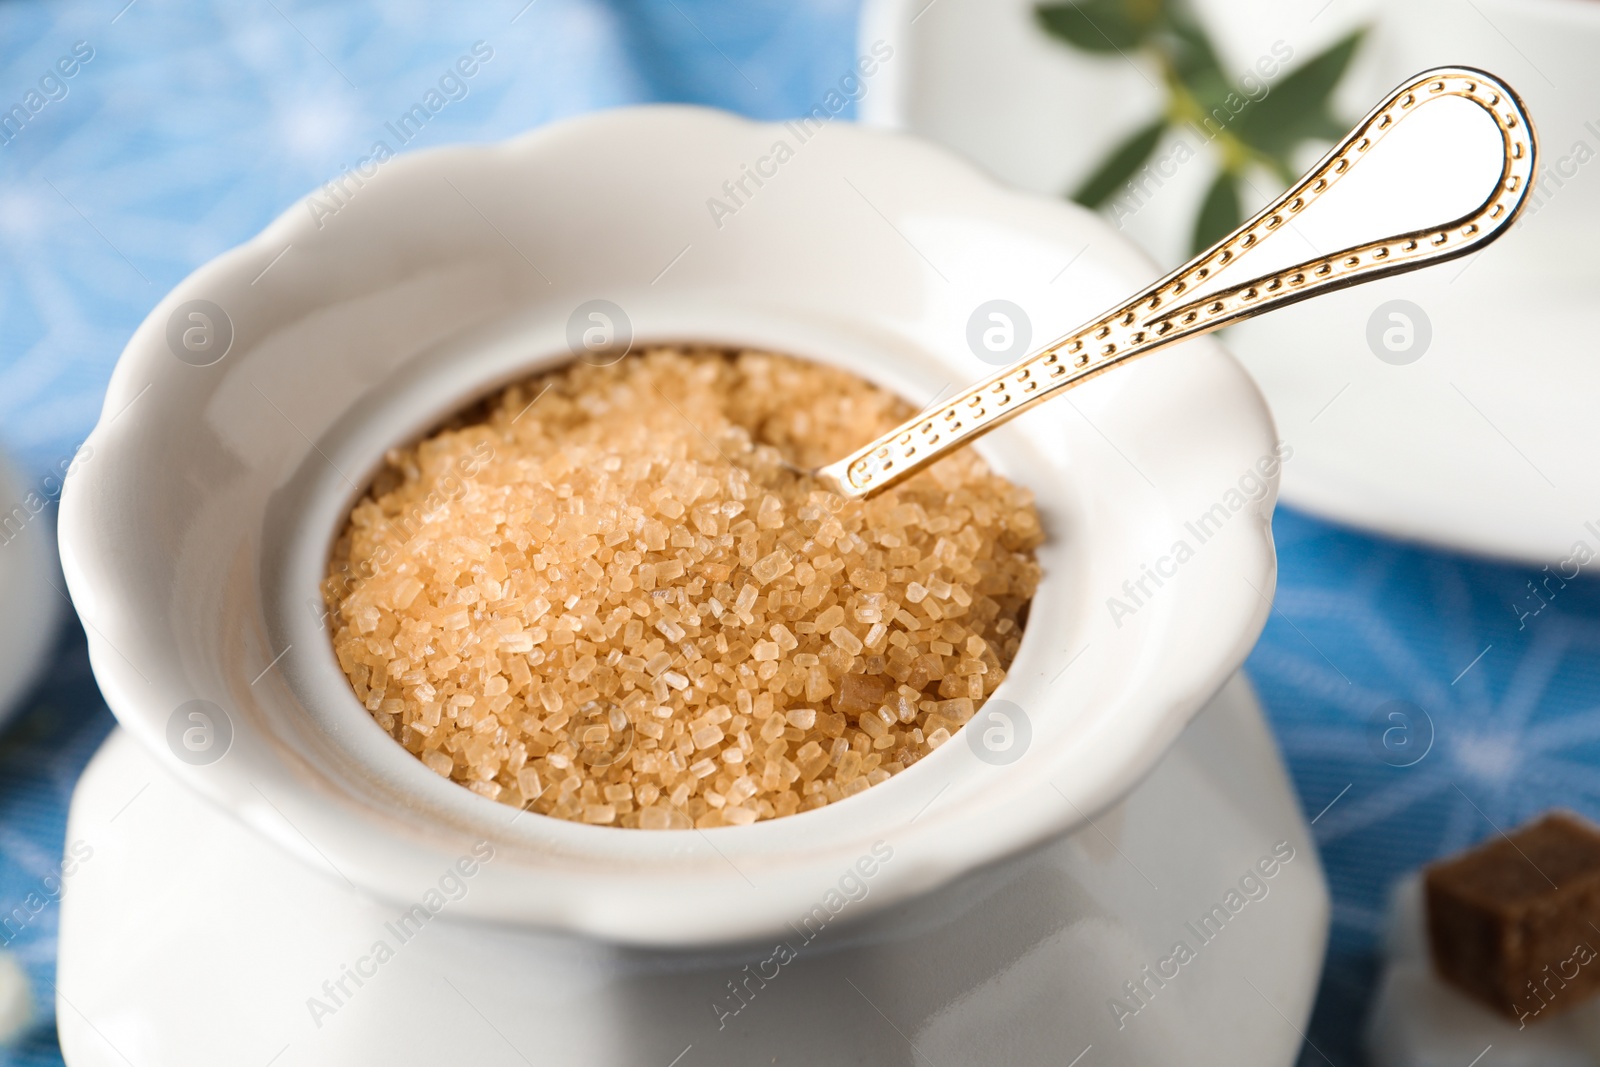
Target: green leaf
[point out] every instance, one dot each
(1099, 25)
(1194, 60)
(1119, 166)
(1296, 109)
(1220, 214)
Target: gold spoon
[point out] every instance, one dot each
(1161, 315)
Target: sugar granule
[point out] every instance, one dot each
(608, 597)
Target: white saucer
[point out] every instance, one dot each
(1483, 444)
(186, 939)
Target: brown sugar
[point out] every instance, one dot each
(611, 597)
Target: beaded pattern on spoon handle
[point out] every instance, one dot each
(1158, 317)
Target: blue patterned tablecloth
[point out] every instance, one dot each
(186, 126)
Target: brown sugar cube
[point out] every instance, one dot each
(1515, 923)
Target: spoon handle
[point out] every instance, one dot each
(1173, 309)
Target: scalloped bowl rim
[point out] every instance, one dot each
(330, 786)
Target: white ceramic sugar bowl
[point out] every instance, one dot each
(987, 905)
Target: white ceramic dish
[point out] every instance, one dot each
(30, 587)
(1481, 444)
(1493, 425)
(1015, 964)
(194, 544)
(1417, 1020)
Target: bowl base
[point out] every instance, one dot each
(228, 950)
